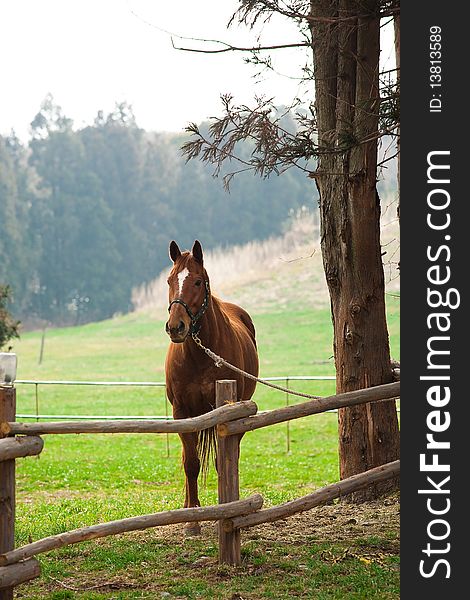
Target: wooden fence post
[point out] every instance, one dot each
(228, 451)
(7, 484)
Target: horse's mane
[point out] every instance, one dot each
(184, 259)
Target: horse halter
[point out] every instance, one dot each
(195, 327)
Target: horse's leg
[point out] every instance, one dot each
(191, 466)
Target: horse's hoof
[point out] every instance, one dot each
(192, 529)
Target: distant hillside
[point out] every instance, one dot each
(275, 273)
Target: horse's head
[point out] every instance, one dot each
(189, 292)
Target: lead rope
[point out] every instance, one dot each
(219, 362)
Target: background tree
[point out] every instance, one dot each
(336, 145)
(8, 325)
(17, 252)
(86, 213)
(71, 223)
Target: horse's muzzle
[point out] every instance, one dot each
(177, 334)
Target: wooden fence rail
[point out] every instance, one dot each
(180, 515)
(231, 419)
(312, 407)
(19, 447)
(210, 419)
(325, 494)
(13, 575)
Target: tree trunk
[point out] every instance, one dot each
(396, 23)
(346, 62)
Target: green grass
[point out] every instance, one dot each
(82, 480)
(281, 571)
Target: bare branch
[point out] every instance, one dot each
(229, 48)
(263, 140)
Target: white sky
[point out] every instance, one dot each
(91, 54)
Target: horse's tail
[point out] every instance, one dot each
(207, 449)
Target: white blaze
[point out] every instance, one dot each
(181, 279)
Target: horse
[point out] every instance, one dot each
(195, 315)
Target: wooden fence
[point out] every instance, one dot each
(230, 417)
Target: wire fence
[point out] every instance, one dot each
(37, 415)
(45, 382)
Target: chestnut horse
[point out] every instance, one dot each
(227, 329)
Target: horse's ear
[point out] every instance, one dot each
(197, 252)
(175, 252)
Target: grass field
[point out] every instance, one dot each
(82, 480)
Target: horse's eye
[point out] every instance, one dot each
(198, 282)
(168, 281)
